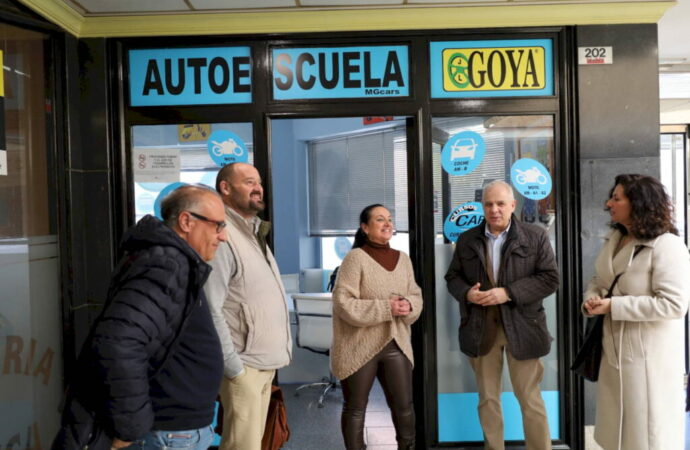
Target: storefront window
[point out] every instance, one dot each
(469, 153)
(165, 156)
(30, 309)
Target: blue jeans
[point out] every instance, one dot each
(199, 439)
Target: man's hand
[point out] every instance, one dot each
(117, 443)
(597, 305)
(494, 296)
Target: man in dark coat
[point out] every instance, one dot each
(152, 365)
(500, 273)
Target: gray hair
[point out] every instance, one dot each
(184, 198)
(496, 183)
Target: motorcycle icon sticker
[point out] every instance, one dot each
(463, 152)
(466, 216)
(531, 178)
(225, 147)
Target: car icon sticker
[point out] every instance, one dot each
(531, 179)
(463, 152)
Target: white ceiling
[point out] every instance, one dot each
(674, 46)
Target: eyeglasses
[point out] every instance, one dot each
(220, 224)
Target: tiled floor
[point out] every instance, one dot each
(314, 428)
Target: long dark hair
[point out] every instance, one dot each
(364, 216)
(651, 210)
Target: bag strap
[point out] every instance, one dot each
(638, 249)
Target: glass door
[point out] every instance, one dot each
(324, 172)
(31, 383)
(468, 153)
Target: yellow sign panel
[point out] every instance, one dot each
(494, 69)
(2, 76)
(193, 132)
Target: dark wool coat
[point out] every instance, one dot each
(528, 272)
(151, 295)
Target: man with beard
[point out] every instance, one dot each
(249, 310)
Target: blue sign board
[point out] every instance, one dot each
(463, 152)
(466, 216)
(531, 178)
(190, 76)
(225, 147)
(340, 72)
(500, 68)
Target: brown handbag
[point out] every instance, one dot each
(277, 431)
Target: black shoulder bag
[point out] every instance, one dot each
(588, 358)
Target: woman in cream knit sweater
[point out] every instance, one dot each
(375, 300)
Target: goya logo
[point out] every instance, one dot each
(466, 216)
(486, 69)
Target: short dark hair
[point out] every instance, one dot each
(184, 198)
(651, 209)
(364, 216)
(224, 174)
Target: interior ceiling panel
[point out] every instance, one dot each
(241, 4)
(134, 7)
(128, 6)
(350, 2)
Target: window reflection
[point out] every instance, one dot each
(468, 153)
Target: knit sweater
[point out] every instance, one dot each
(362, 319)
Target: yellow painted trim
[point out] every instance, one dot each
(58, 13)
(362, 19)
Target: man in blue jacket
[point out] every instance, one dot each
(151, 367)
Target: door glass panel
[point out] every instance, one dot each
(672, 174)
(30, 307)
(163, 156)
(468, 153)
(324, 172)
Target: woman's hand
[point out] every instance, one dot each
(597, 305)
(400, 306)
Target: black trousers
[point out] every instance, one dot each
(394, 372)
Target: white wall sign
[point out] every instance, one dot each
(3, 162)
(160, 165)
(595, 55)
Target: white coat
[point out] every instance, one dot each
(640, 402)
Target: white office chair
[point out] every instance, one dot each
(314, 316)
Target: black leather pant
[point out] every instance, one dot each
(394, 372)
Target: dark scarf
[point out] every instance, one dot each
(382, 254)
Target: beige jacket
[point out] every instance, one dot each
(640, 403)
(362, 319)
(247, 301)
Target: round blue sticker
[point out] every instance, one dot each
(466, 216)
(225, 147)
(463, 152)
(166, 190)
(531, 178)
(342, 245)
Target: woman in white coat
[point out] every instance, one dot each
(640, 387)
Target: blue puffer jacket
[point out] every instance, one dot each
(150, 297)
